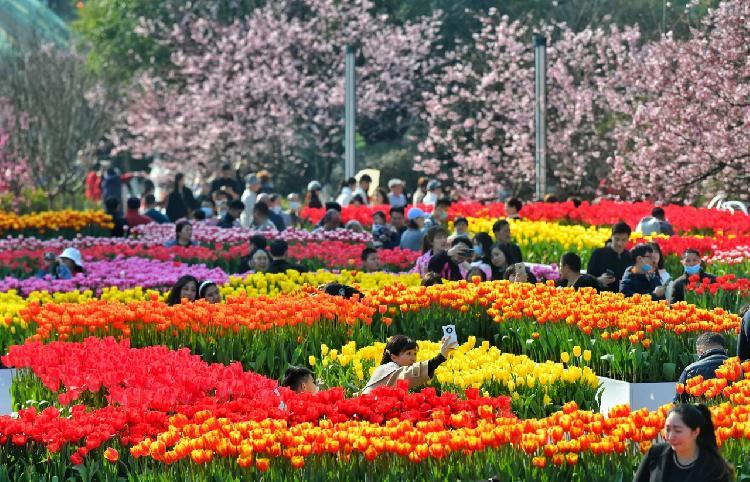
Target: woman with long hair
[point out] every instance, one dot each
(690, 453)
(185, 288)
(180, 202)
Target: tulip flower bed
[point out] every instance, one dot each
(120, 273)
(324, 254)
(203, 233)
(631, 339)
(728, 292)
(65, 223)
(536, 389)
(161, 414)
(684, 219)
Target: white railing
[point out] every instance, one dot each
(721, 204)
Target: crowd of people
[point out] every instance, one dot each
(446, 254)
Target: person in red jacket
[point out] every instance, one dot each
(93, 184)
(133, 217)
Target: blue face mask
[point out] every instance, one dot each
(478, 250)
(646, 267)
(693, 269)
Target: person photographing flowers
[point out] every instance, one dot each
(400, 363)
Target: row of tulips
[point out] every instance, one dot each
(15, 328)
(55, 222)
(684, 219)
(536, 389)
(130, 393)
(728, 292)
(325, 254)
(731, 383)
(633, 339)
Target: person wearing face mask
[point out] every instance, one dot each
(482, 245)
(439, 216)
(638, 279)
(691, 262)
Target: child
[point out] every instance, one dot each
(400, 363)
(381, 232)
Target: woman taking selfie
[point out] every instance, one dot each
(400, 363)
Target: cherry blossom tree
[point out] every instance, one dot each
(14, 174)
(688, 110)
(480, 117)
(54, 112)
(269, 90)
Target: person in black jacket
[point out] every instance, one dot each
(712, 353)
(639, 278)
(112, 206)
(608, 264)
(180, 201)
(231, 218)
(280, 264)
(501, 230)
(571, 276)
(743, 341)
(690, 454)
(691, 261)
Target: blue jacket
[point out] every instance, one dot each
(633, 283)
(156, 216)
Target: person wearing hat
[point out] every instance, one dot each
(396, 195)
(434, 190)
(231, 218)
(252, 187)
(312, 198)
(412, 237)
(64, 266)
(280, 263)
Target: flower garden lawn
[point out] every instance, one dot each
(113, 384)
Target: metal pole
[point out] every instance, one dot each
(350, 112)
(540, 115)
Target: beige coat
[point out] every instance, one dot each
(389, 374)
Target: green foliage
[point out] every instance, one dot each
(110, 26)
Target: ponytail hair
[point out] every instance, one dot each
(396, 345)
(699, 416)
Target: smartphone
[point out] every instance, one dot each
(450, 332)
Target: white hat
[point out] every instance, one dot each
(394, 182)
(314, 186)
(74, 255)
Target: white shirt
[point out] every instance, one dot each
(430, 198)
(248, 199)
(362, 194)
(345, 197)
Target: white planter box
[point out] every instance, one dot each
(6, 377)
(637, 395)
